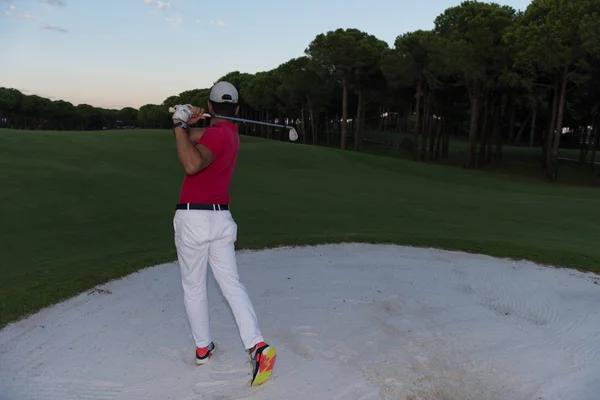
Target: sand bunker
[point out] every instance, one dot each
(349, 322)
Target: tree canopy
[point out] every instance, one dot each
(485, 72)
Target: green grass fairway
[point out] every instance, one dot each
(81, 208)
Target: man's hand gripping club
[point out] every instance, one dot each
(187, 114)
(193, 158)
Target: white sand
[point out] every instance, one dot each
(349, 322)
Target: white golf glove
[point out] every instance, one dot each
(183, 112)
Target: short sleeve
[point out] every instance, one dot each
(212, 139)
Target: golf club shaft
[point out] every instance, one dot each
(243, 120)
(252, 121)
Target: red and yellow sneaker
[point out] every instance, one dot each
(262, 360)
(204, 354)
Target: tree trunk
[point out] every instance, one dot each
(583, 145)
(313, 121)
(446, 143)
(280, 132)
(358, 123)
(551, 129)
(497, 135)
(363, 124)
(532, 131)
(595, 146)
(471, 152)
(418, 119)
(327, 128)
(511, 125)
(315, 125)
(270, 129)
(344, 113)
(483, 137)
(433, 131)
(260, 128)
(303, 122)
(553, 166)
(490, 139)
(406, 120)
(431, 126)
(438, 140)
(425, 125)
(520, 133)
(386, 119)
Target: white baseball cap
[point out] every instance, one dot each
(224, 92)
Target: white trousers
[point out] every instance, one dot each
(208, 237)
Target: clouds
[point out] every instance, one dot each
(218, 23)
(174, 18)
(56, 3)
(14, 13)
(161, 5)
(53, 28)
(11, 14)
(175, 21)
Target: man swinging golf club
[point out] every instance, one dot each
(205, 231)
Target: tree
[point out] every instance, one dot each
(260, 93)
(415, 62)
(128, 116)
(553, 39)
(473, 34)
(485, 72)
(349, 55)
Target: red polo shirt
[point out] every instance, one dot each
(211, 185)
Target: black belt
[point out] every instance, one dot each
(192, 206)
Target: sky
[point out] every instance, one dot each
(127, 53)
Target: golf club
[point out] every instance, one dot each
(293, 134)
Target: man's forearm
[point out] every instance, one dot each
(189, 156)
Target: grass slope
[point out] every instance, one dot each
(81, 208)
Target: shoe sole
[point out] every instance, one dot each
(262, 376)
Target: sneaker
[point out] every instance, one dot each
(204, 354)
(262, 360)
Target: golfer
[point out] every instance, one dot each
(205, 231)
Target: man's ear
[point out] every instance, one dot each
(210, 109)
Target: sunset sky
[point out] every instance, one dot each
(117, 53)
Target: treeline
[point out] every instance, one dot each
(486, 72)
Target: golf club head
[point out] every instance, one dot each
(293, 135)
